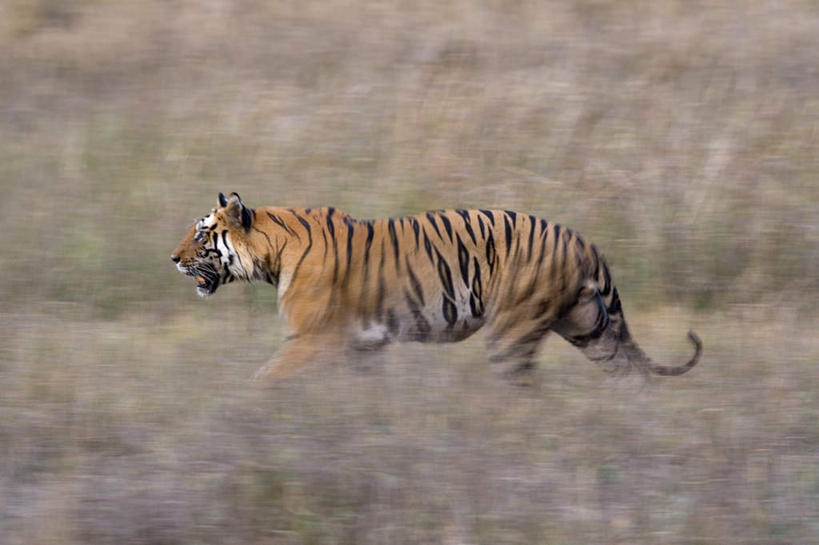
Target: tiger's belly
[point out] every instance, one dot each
(420, 325)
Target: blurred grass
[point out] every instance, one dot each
(683, 141)
(138, 431)
(680, 137)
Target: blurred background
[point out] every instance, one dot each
(681, 137)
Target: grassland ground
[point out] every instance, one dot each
(145, 429)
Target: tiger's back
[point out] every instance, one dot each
(433, 277)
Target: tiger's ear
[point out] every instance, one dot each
(236, 211)
(222, 200)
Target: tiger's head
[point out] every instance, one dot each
(214, 251)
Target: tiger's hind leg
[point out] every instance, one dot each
(516, 368)
(514, 336)
(512, 354)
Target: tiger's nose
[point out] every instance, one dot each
(175, 258)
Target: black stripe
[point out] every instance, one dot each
(231, 255)
(463, 261)
(350, 232)
(381, 290)
(416, 227)
(606, 280)
(365, 292)
(480, 224)
(332, 229)
(277, 262)
(565, 245)
(475, 306)
(309, 244)
(208, 251)
(508, 229)
(489, 215)
(326, 246)
(265, 236)
(615, 307)
(491, 253)
(278, 221)
(447, 225)
(394, 240)
(476, 297)
(445, 274)
(530, 289)
(431, 219)
(579, 250)
(330, 226)
(596, 259)
(477, 286)
(450, 312)
(369, 243)
(512, 215)
(465, 215)
(580, 243)
(303, 221)
(541, 256)
(416, 285)
(428, 247)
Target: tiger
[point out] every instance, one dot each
(437, 277)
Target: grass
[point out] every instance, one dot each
(680, 138)
(141, 432)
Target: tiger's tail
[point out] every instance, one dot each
(637, 358)
(609, 342)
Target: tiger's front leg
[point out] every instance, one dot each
(298, 353)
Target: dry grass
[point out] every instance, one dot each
(140, 432)
(680, 137)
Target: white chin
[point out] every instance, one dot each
(202, 292)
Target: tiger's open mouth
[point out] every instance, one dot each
(207, 279)
(204, 287)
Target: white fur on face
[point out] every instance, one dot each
(207, 221)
